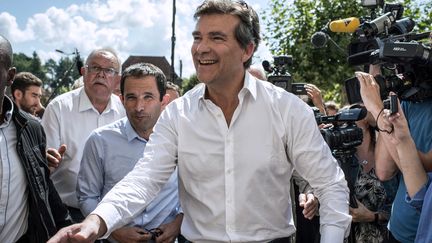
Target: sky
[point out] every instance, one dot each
(131, 27)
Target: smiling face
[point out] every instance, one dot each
(141, 100)
(99, 83)
(216, 53)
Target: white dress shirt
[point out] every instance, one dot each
(234, 181)
(69, 119)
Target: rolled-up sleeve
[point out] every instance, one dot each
(314, 161)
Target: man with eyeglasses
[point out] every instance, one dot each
(71, 117)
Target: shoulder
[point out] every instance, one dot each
(116, 127)
(188, 101)
(64, 100)
(279, 97)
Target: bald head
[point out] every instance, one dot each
(5, 52)
(7, 73)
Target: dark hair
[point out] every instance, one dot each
(141, 70)
(108, 50)
(23, 80)
(173, 86)
(247, 31)
(6, 53)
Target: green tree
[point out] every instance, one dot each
(58, 77)
(189, 83)
(63, 75)
(33, 64)
(36, 67)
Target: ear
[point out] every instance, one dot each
(83, 71)
(165, 101)
(17, 94)
(11, 76)
(249, 51)
(122, 98)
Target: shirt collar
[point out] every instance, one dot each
(85, 103)
(8, 108)
(131, 133)
(249, 85)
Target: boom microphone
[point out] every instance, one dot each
(348, 25)
(319, 39)
(267, 67)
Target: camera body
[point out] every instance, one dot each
(344, 135)
(279, 75)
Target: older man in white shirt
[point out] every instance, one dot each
(71, 117)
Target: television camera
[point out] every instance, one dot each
(388, 41)
(280, 76)
(342, 137)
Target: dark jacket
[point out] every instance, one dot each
(47, 214)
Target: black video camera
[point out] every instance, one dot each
(407, 70)
(375, 31)
(344, 134)
(279, 75)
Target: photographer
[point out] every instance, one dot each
(404, 220)
(374, 198)
(416, 180)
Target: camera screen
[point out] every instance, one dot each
(298, 89)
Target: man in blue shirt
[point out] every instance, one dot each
(404, 219)
(113, 150)
(417, 182)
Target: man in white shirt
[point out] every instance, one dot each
(71, 117)
(235, 141)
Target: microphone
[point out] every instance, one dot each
(348, 25)
(319, 39)
(267, 67)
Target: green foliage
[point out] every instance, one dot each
(421, 12)
(65, 74)
(189, 83)
(290, 25)
(57, 77)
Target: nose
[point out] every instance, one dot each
(202, 46)
(101, 74)
(140, 105)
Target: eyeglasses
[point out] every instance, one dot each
(110, 72)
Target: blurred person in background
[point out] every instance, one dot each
(27, 92)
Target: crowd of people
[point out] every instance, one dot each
(125, 157)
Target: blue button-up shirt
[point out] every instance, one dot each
(109, 154)
(422, 201)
